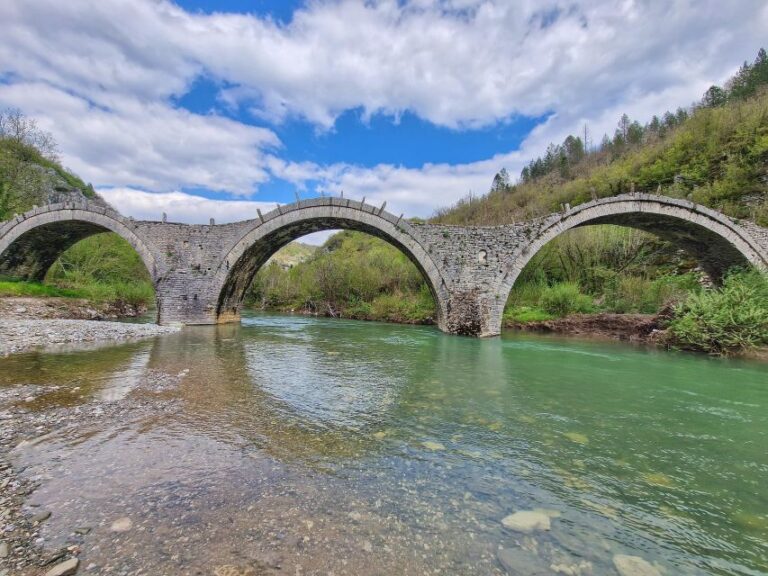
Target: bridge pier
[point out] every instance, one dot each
(183, 298)
(472, 312)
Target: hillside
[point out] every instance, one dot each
(293, 254)
(30, 171)
(715, 153)
(103, 268)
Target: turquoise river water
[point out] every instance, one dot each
(294, 445)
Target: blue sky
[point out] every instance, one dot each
(212, 109)
(367, 141)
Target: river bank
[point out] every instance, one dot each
(22, 335)
(33, 323)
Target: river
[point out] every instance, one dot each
(294, 445)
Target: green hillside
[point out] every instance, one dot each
(715, 154)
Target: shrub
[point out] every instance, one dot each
(726, 320)
(565, 298)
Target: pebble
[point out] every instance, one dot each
(4, 550)
(41, 516)
(66, 568)
(429, 445)
(634, 566)
(121, 525)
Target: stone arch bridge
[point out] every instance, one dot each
(201, 273)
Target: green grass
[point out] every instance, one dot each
(102, 268)
(12, 288)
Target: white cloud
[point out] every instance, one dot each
(191, 209)
(150, 145)
(180, 206)
(103, 74)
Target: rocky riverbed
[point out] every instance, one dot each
(21, 335)
(24, 550)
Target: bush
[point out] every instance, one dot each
(723, 321)
(565, 298)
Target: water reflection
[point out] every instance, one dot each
(374, 441)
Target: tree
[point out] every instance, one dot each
(23, 131)
(574, 149)
(500, 181)
(714, 97)
(624, 126)
(635, 133)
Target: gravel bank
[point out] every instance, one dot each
(21, 335)
(27, 307)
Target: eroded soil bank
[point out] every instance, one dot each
(643, 328)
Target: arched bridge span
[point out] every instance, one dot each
(201, 272)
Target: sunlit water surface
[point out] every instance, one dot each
(330, 446)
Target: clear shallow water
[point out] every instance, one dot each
(360, 448)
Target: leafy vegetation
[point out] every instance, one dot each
(727, 320)
(103, 267)
(30, 170)
(353, 275)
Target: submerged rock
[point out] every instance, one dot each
(577, 437)
(528, 521)
(122, 525)
(66, 568)
(42, 516)
(634, 566)
(429, 445)
(518, 562)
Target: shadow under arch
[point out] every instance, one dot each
(288, 223)
(714, 240)
(32, 242)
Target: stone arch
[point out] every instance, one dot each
(276, 229)
(715, 240)
(31, 242)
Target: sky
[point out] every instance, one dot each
(202, 108)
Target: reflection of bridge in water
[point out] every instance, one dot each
(201, 273)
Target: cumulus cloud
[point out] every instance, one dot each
(150, 145)
(103, 75)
